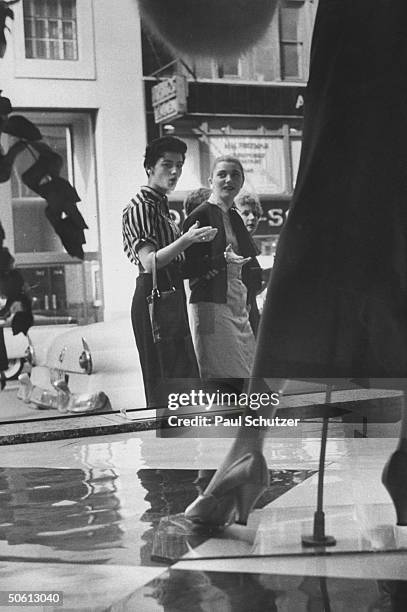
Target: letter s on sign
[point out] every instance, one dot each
(275, 217)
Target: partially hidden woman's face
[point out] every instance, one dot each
(226, 180)
(165, 174)
(249, 215)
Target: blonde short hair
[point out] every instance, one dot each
(227, 158)
(248, 198)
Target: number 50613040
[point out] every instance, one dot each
(34, 598)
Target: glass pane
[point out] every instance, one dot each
(68, 9)
(41, 49)
(28, 28)
(289, 23)
(54, 51)
(59, 291)
(264, 53)
(52, 8)
(69, 51)
(28, 8)
(53, 29)
(262, 159)
(32, 231)
(67, 29)
(18, 189)
(29, 48)
(57, 137)
(40, 28)
(290, 60)
(203, 67)
(274, 171)
(40, 8)
(295, 158)
(230, 67)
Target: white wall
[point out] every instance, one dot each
(113, 88)
(120, 139)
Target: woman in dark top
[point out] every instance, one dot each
(148, 231)
(223, 338)
(337, 300)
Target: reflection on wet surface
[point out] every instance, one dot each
(196, 591)
(61, 509)
(101, 515)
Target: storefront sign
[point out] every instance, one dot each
(300, 102)
(169, 98)
(262, 159)
(271, 221)
(273, 218)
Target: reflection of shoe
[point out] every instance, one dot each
(394, 478)
(232, 499)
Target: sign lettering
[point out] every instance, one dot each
(169, 98)
(262, 159)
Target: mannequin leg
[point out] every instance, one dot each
(394, 475)
(242, 476)
(249, 439)
(402, 445)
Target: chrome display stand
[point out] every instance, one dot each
(318, 537)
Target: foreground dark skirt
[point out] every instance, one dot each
(168, 367)
(337, 301)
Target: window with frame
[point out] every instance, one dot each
(60, 285)
(50, 29)
(270, 157)
(32, 232)
(229, 67)
(291, 39)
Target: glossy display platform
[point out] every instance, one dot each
(185, 591)
(101, 520)
(105, 515)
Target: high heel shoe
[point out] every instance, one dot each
(203, 479)
(394, 478)
(232, 499)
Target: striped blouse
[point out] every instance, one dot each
(147, 220)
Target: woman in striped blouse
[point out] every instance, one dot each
(148, 231)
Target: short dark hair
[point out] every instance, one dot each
(195, 198)
(156, 149)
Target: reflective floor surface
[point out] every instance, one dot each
(101, 520)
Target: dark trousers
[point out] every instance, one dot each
(167, 367)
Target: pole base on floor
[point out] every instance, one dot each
(312, 540)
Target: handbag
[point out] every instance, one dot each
(167, 310)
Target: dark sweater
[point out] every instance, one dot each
(205, 256)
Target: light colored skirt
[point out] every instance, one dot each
(223, 339)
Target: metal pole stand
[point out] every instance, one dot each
(318, 538)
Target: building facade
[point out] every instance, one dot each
(74, 68)
(249, 106)
(83, 72)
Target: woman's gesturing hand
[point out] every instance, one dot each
(200, 234)
(233, 258)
